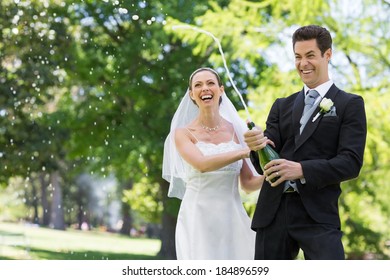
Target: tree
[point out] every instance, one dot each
(31, 77)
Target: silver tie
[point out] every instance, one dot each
(309, 109)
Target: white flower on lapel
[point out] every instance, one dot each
(325, 106)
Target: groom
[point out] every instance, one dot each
(319, 149)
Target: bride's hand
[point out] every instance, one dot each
(245, 153)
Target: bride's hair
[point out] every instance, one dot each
(204, 69)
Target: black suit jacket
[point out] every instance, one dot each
(330, 151)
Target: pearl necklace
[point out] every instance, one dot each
(211, 128)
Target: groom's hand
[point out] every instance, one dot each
(255, 139)
(284, 169)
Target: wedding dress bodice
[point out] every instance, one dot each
(212, 149)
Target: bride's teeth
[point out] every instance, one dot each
(206, 97)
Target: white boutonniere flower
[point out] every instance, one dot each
(325, 106)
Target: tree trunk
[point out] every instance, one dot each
(168, 249)
(35, 200)
(127, 219)
(126, 212)
(45, 203)
(57, 220)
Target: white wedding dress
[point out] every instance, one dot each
(212, 222)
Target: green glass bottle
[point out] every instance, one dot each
(266, 154)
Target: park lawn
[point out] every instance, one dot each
(19, 241)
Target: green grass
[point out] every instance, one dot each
(19, 241)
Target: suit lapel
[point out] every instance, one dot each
(311, 126)
(297, 113)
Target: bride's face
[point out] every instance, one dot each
(205, 89)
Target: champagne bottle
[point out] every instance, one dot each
(266, 154)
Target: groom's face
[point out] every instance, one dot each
(311, 65)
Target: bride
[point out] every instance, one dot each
(204, 159)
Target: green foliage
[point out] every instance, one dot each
(364, 225)
(150, 205)
(12, 201)
(30, 80)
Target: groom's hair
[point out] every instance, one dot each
(309, 32)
